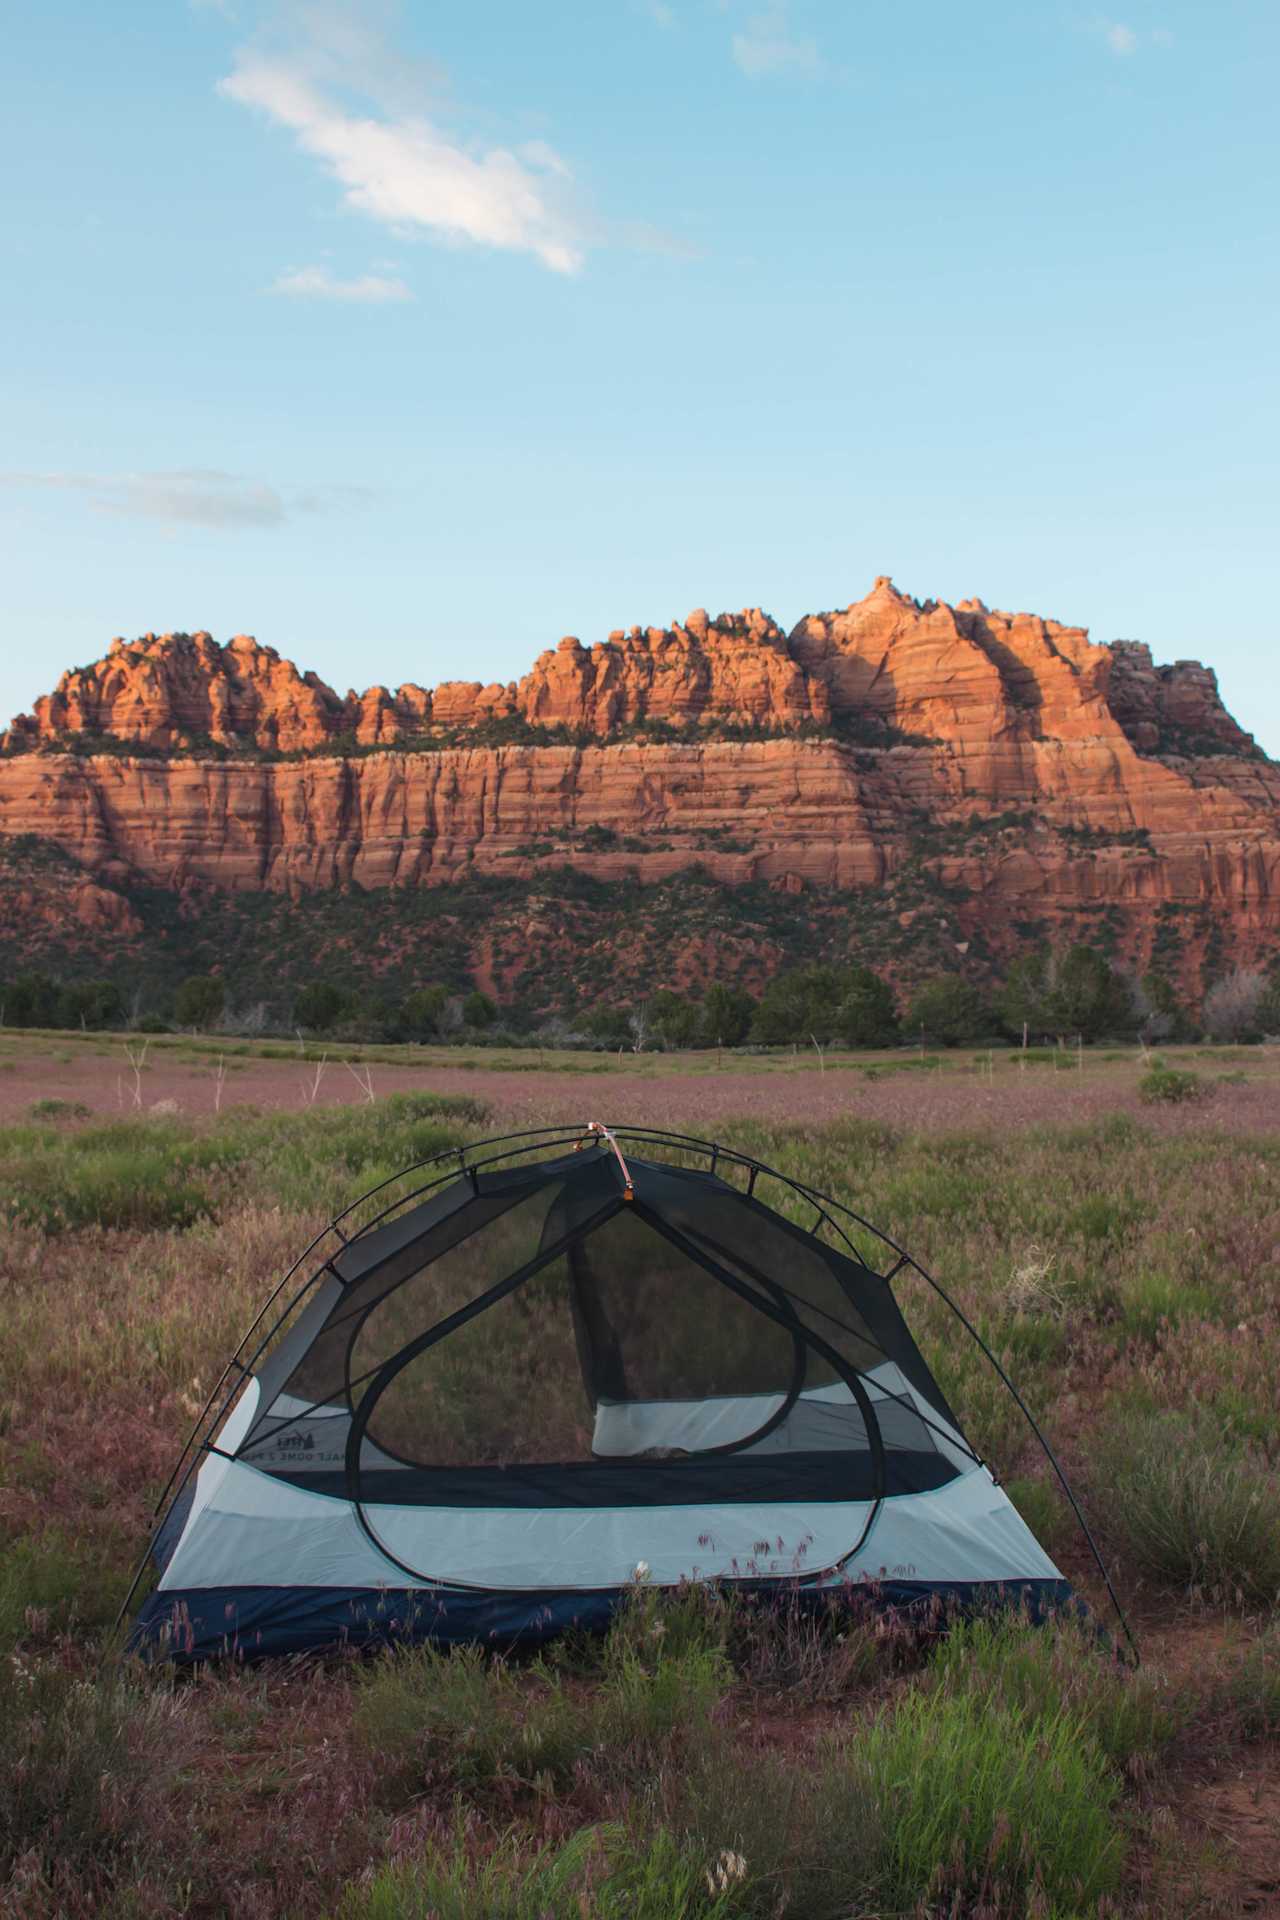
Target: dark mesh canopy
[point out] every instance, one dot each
(532, 1371)
(584, 1332)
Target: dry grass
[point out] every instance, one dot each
(1124, 1263)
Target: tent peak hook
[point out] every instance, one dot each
(601, 1132)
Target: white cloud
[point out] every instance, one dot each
(398, 168)
(767, 46)
(317, 283)
(193, 496)
(659, 12)
(1122, 40)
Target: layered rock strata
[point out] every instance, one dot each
(1029, 768)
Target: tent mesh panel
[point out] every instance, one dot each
(747, 1352)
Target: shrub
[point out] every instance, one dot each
(60, 1110)
(82, 1763)
(1192, 1505)
(1170, 1084)
(822, 1002)
(478, 1010)
(1074, 992)
(29, 1001)
(319, 1006)
(868, 1015)
(1233, 1007)
(604, 1872)
(676, 1019)
(90, 1003)
(199, 1001)
(726, 1016)
(948, 1010)
(421, 1014)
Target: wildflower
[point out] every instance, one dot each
(728, 1871)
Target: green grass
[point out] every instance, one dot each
(463, 1719)
(605, 1873)
(60, 1110)
(149, 1174)
(1170, 1085)
(978, 1802)
(1190, 1505)
(1063, 1667)
(460, 1717)
(50, 1586)
(1125, 1268)
(944, 1797)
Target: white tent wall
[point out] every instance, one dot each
(298, 1528)
(247, 1529)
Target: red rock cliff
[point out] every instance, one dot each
(815, 758)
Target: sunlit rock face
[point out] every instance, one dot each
(1051, 771)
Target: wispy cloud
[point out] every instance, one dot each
(194, 496)
(317, 283)
(658, 11)
(395, 164)
(767, 45)
(1124, 41)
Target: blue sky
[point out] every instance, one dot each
(410, 339)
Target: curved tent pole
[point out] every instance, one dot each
(335, 1226)
(188, 1457)
(543, 1139)
(822, 1201)
(1047, 1450)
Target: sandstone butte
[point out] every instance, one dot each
(811, 760)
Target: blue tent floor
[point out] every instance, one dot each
(254, 1622)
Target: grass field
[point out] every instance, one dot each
(1119, 1247)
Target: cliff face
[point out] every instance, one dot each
(1022, 769)
(181, 691)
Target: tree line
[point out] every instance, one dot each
(1067, 994)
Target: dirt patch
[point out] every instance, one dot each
(1221, 1829)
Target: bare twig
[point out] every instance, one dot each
(137, 1057)
(311, 1093)
(364, 1080)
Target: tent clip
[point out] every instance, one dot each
(602, 1133)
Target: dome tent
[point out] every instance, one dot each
(564, 1361)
